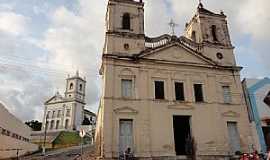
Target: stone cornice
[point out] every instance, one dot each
(65, 101)
(125, 34)
(172, 103)
(128, 2)
(138, 60)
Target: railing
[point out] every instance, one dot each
(189, 43)
(165, 39)
(157, 41)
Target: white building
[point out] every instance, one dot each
(66, 112)
(89, 124)
(14, 135)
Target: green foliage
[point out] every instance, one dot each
(35, 125)
(68, 138)
(86, 121)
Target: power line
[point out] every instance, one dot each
(41, 71)
(43, 66)
(27, 60)
(19, 58)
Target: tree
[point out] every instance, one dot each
(86, 121)
(34, 124)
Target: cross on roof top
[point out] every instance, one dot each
(200, 4)
(172, 24)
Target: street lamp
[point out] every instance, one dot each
(45, 132)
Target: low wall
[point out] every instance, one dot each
(8, 144)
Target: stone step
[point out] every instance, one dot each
(182, 158)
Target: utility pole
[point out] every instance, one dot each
(81, 148)
(45, 134)
(82, 134)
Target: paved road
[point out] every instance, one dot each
(62, 154)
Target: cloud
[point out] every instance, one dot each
(160, 19)
(6, 7)
(13, 23)
(254, 19)
(72, 38)
(20, 93)
(75, 41)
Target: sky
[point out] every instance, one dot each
(42, 41)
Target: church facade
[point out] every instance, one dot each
(66, 112)
(170, 96)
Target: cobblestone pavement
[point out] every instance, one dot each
(72, 153)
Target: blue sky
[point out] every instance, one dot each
(42, 41)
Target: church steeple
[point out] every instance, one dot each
(124, 27)
(210, 30)
(75, 88)
(208, 27)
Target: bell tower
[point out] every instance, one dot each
(211, 31)
(124, 27)
(75, 88)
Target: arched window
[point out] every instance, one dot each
(214, 32)
(48, 114)
(193, 36)
(66, 124)
(52, 125)
(57, 124)
(80, 87)
(71, 86)
(126, 21)
(47, 125)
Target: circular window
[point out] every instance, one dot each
(126, 46)
(219, 55)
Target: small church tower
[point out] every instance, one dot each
(66, 112)
(210, 30)
(124, 27)
(75, 88)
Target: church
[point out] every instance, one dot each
(66, 112)
(170, 96)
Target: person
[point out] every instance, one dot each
(128, 154)
(256, 155)
(268, 155)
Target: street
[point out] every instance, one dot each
(63, 154)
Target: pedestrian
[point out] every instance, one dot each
(268, 154)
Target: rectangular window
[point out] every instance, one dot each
(53, 114)
(59, 113)
(68, 113)
(159, 90)
(179, 91)
(66, 124)
(46, 125)
(3, 132)
(198, 90)
(126, 85)
(48, 114)
(52, 125)
(227, 94)
(8, 133)
(57, 124)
